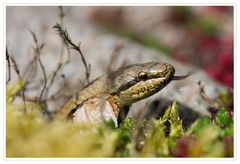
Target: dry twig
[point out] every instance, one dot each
(61, 63)
(211, 103)
(9, 66)
(38, 49)
(61, 14)
(61, 91)
(114, 56)
(15, 67)
(138, 132)
(65, 36)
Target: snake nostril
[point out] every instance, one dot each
(161, 74)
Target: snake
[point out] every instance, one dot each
(126, 85)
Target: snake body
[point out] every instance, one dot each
(126, 85)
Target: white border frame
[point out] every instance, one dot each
(127, 3)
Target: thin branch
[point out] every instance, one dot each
(15, 67)
(38, 49)
(57, 70)
(137, 133)
(211, 103)
(61, 14)
(32, 65)
(114, 56)
(45, 79)
(30, 69)
(9, 66)
(65, 36)
(61, 91)
(61, 63)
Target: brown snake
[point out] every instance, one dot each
(126, 85)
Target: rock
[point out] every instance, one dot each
(97, 46)
(96, 110)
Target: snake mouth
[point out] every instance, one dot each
(181, 77)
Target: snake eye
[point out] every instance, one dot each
(143, 76)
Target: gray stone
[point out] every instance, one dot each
(97, 46)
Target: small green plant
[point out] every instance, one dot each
(30, 134)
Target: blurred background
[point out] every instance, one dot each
(196, 39)
(201, 36)
(188, 37)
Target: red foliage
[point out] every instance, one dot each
(211, 53)
(209, 42)
(220, 8)
(222, 70)
(229, 145)
(183, 146)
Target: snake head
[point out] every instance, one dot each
(139, 81)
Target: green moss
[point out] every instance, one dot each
(30, 134)
(223, 118)
(200, 124)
